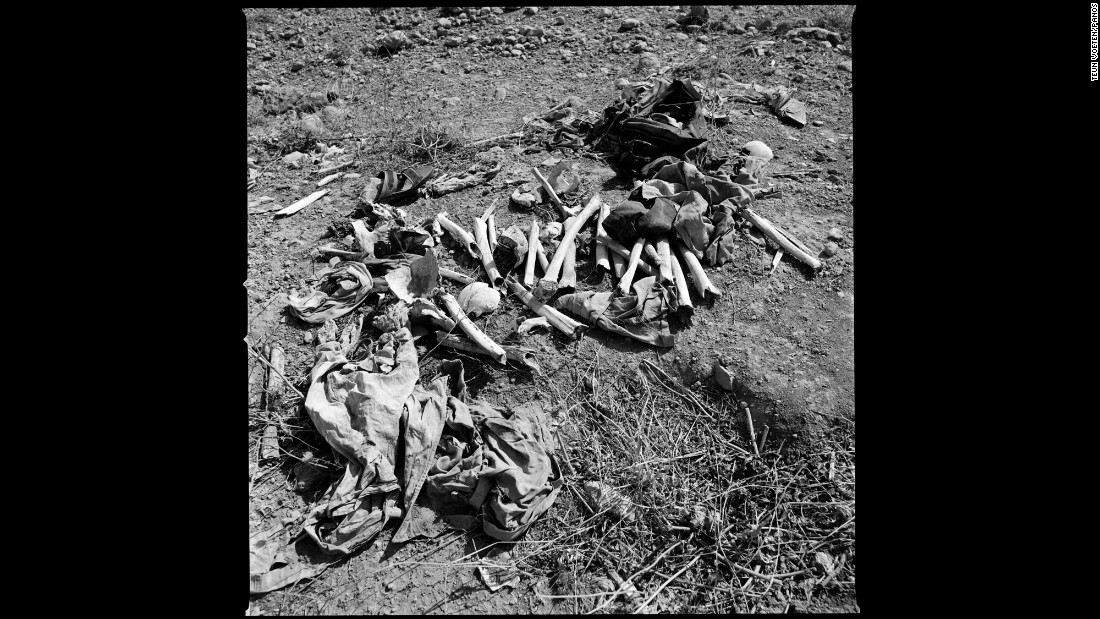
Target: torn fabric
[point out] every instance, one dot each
(621, 223)
(270, 568)
(707, 203)
(658, 118)
(340, 291)
(357, 407)
(641, 315)
(658, 219)
(501, 466)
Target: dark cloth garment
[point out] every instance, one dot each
(658, 219)
(641, 315)
(620, 224)
(636, 132)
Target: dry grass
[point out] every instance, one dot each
(717, 528)
(734, 529)
(837, 18)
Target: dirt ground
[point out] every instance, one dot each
(787, 335)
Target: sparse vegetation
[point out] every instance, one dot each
(718, 527)
(837, 18)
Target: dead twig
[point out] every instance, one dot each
(258, 356)
(508, 136)
(752, 432)
(665, 584)
(335, 168)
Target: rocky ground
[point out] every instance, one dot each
(405, 85)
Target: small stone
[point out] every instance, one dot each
(835, 234)
(629, 24)
(250, 46)
(301, 42)
(692, 28)
(559, 21)
(845, 66)
(739, 30)
(582, 76)
(444, 22)
(517, 52)
(500, 93)
(680, 36)
(722, 376)
(296, 66)
(452, 42)
(395, 41)
(312, 125)
(819, 123)
(605, 13)
(307, 337)
(451, 101)
(531, 10)
(294, 157)
(648, 62)
(333, 261)
(830, 249)
(269, 56)
(703, 38)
